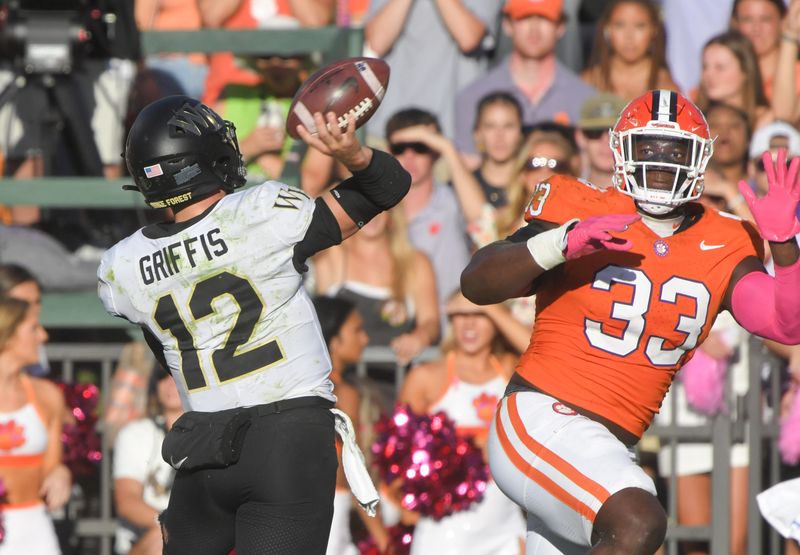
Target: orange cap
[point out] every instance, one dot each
(519, 9)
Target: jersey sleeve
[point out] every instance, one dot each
(561, 198)
(110, 290)
(285, 210)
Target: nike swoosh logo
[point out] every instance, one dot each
(177, 465)
(704, 247)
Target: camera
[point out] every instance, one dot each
(51, 37)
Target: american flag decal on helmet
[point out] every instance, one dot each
(665, 106)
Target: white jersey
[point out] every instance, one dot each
(222, 296)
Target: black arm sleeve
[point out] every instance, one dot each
(155, 347)
(531, 229)
(378, 187)
(322, 232)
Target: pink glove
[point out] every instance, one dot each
(776, 212)
(592, 235)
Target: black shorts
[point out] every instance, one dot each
(277, 499)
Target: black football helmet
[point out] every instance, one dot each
(179, 151)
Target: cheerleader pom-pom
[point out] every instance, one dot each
(82, 447)
(703, 379)
(440, 472)
(399, 542)
(789, 436)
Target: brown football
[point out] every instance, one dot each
(352, 85)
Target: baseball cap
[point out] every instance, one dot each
(518, 9)
(762, 139)
(600, 111)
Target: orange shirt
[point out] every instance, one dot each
(612, 328)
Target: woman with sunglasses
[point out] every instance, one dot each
(629, 57)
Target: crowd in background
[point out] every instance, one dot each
(487, 98)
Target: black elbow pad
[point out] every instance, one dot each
(384, 182)
(322, 232)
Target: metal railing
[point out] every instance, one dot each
(722, 432)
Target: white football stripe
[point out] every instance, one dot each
(305, 117)
(370, 79)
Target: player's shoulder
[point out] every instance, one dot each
(118, 249)
(561, 198)
(723, 224)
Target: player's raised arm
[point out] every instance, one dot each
(763, 305)
(378, 183)
(507, 269)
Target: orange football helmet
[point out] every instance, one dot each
(683, 143)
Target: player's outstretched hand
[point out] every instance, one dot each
(593, 234)
(329, 139)
(776, 212)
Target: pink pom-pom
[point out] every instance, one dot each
(82, 448)
(789, 436)
(703, 379)
(399, 542)
(439, 471)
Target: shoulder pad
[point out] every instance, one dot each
(561, 198)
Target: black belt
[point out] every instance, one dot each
(289, 404)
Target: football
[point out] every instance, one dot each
(352, 85)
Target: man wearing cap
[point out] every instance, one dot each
(771, 137)
(598, 115)
(546, 89)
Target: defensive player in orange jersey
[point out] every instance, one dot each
(628, 282)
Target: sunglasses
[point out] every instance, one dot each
(760, 164)
(400, 148)
(544, 163)
(594, 134)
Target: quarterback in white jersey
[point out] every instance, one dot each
(218, 294)
(224, 299)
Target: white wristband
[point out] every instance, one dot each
(547, 248)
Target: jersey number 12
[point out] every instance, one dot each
(229, 362)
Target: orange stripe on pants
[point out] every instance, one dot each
(551, 458)
(539, 477)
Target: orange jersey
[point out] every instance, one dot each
(612, 328)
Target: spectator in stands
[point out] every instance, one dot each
(466, 384)
(435, 223)
(545, 88)
(688, 25)
(142, 480)
(728, 165)
(259, 113)
(392, 285)
(434, 48)
(190, 70)
(53, 266)
(628, 58)
(731, 75)
(765, 24)
(598, 115)
(31, 411)
(498, 138)
(774, 32)
(19, 283)
(343, 330)
(253, 14)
